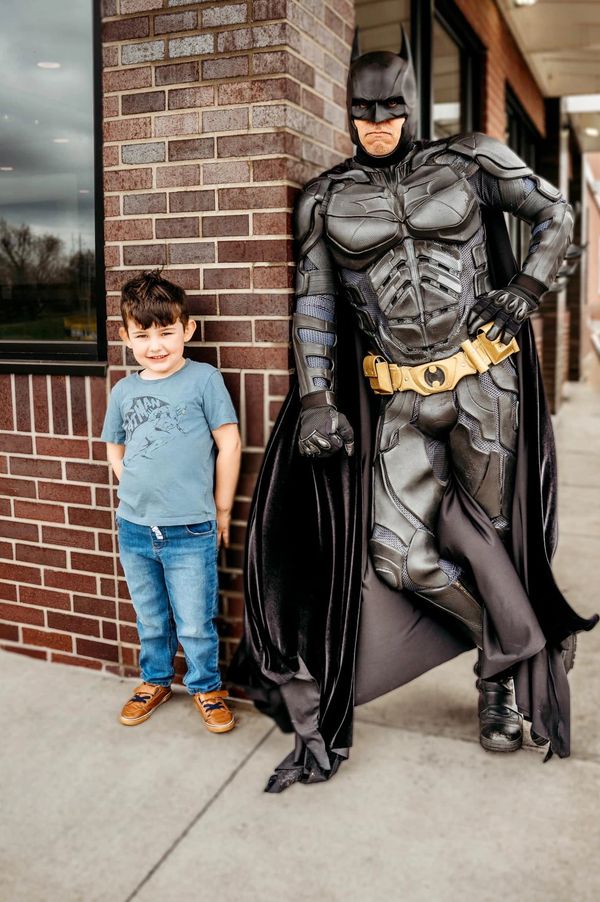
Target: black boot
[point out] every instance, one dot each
(500, 724)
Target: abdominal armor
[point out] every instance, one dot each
(408, 246)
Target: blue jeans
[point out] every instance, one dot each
(171, 574)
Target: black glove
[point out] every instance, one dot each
(507, 307)
(324, 431)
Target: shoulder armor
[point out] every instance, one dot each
(306, 221)
(490, 154)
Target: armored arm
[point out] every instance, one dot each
(504, 182)
(323, 430)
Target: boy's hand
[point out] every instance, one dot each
(223, 524)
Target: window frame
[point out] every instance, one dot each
(75, 357)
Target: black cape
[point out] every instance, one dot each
(323, 633)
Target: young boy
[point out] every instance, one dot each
(161, 429)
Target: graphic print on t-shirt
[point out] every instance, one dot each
(149, 424)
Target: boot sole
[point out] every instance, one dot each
(225, 728)
(490, 746)
(134, 721)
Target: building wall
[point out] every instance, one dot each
(504, 63)
(214, 115)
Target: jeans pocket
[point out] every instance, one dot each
(200, 529)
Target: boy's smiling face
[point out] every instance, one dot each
(159, 349)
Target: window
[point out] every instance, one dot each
(51, 264)
(521, 137)
(456, 55)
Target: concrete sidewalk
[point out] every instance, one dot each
(95, 812)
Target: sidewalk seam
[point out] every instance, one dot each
(198, 816)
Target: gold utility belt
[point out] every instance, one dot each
(475, 356)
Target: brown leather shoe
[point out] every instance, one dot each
(217, 716)
(143, 702)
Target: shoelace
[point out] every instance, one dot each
(140, 698)
(212, 706)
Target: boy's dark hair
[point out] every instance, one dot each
(151, 300)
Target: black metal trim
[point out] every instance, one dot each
(15, 353)
(421, 26)
(55, 367)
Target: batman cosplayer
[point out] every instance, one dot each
(405, 510)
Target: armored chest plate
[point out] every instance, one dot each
(364, 220)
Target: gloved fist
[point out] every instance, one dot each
(324, 431)
(508, 308)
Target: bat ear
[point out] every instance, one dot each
(355, 47)
(405, 52)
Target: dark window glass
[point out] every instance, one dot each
(447, 116)
(48, 290)
(521, 136)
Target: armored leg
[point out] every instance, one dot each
(411, 472)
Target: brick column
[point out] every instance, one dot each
(214, 115)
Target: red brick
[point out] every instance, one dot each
(101, 650)
(105, 542)
(191, 253)
(227, 330)
(63, 447)
(251, 304)
(76, 538)
(63, 491)
(177, 73)
(255, 198)
(45, 598)
(202, 305)
(71, 623)
(99, 607)
(188, 201)
(35, 466)
(279, 385)
(191, 98)
(17, 613)
(235, 225)
(8, 632)
(144, 203)
(110, 56)
(272, 330)
(226, 277)
(254, 392)
(126, 612)
(47, 639)
(47, 513)
(109, 630)
(272, 224)
(112, 205)
(34, 554)
(19, 444)
(175, 22)
(225, 67)
(8, 591)
(129, 634)
(13, 530)
(6, 411)
(144, 255)
(22, 403)
(125, 29)
(177, 176)
(204, 355)
(126, 79)
(176, 124)
(75, 661)
(128, 180)
(225, 173)
(60, 413)
(251, 145)
(98, 403)
(103, 498)
(18, 488)
(270, 170)
(272, 276)
(191, 149)
(255, 251)
(5, 507)
(84, 516)
(128, 229)
(183, 227)
(74, 582)
(6, 551)
(92, 563)
(94, 473)
(127, 129)
(255, 358)
(146, 102)
(187, 278)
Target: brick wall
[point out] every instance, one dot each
(504, 64)
(214, 115)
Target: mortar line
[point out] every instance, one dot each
(200, 814)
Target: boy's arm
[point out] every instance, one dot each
(115, 455)
(229, 454)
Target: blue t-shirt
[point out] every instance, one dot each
(165, 425)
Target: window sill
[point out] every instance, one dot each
(56, 367)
